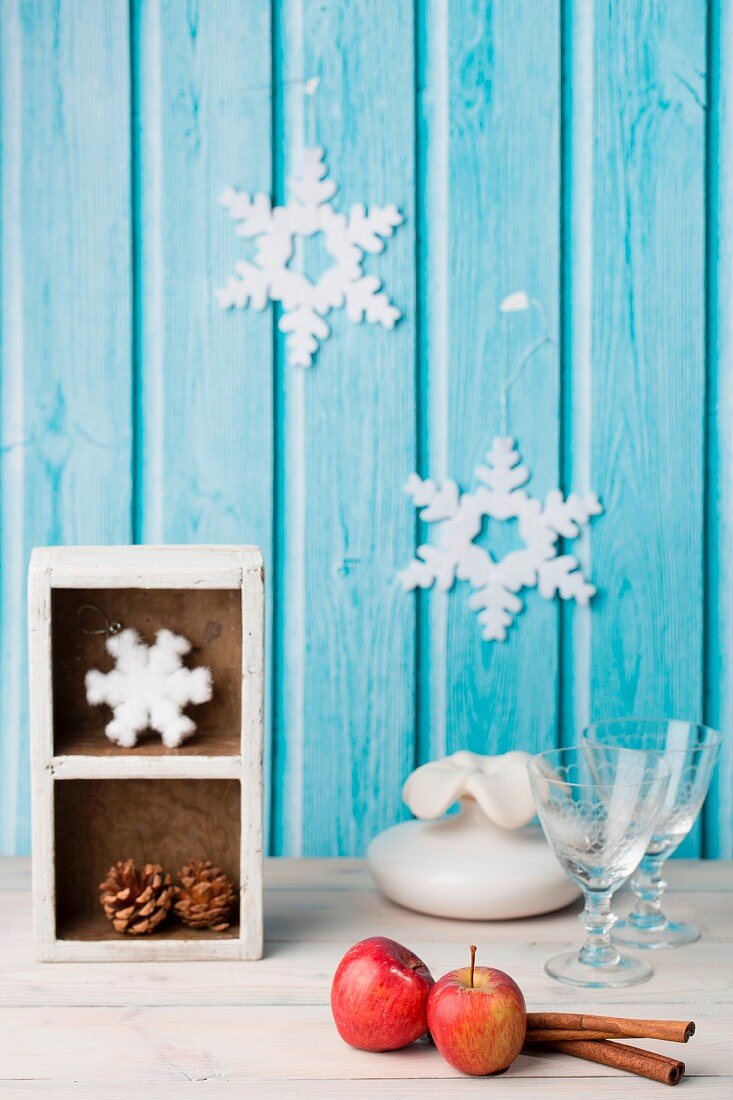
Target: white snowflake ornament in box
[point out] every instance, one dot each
(346, 238)
(500, 497)
(148, 688)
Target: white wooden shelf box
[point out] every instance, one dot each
(95, 803)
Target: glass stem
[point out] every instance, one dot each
(648, 885)
(597, 919)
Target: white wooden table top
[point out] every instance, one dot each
(247, 1029)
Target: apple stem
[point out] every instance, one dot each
(472, 949)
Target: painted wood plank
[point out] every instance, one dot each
(556, 1087)
(268, 1026)
(301, 976)
(342, 874)
(491, 129)
(309, 925)
(719, 515)
(150, 566)
(577, 343)
(204, 468)
(77, 766)
(684, 875)
(65, 442)
(344, 665)
(230, 1043)
(229, 448)
(639, 319)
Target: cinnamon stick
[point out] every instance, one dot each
(643, 1063)
(607, 1027)
(556, 1034)
(548, 1034)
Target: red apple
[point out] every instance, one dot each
(379, 995)
(477, 1018)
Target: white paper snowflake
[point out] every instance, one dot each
(535, 564)
(346, 238)
(148, 688)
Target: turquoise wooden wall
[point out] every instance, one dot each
(582, 151)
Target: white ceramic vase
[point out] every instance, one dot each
(485, 862)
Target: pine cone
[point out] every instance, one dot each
(136, 901)
(205, 897)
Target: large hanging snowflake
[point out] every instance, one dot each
(305, 303)
(499, 497)
(148, 688)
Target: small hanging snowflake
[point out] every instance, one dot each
(346, 238)
(499, 497)
(148, 688)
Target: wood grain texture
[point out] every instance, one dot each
(204, 464)
(491, 104)
(719, 514)
(578, 150)
(555, 1087)
(552, 1088)
(344, 666)
(65, 442)
(266, 1028)
(205, 402)
(261, 1045)
(647, 349)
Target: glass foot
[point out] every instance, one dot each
(669, 934)
(568, 968)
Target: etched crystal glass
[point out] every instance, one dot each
(598, 807)
(691, 751)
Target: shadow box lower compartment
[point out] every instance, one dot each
(166, 821)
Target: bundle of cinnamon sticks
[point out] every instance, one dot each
(592, 1038)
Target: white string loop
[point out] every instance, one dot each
(518, 302)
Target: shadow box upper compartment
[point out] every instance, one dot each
(89, 609)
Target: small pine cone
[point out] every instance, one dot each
(136, 901)
(205, 897)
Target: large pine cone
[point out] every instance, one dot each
(136, 901)
(205, 897)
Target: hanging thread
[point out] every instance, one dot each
(520, 302)
(310, 87)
